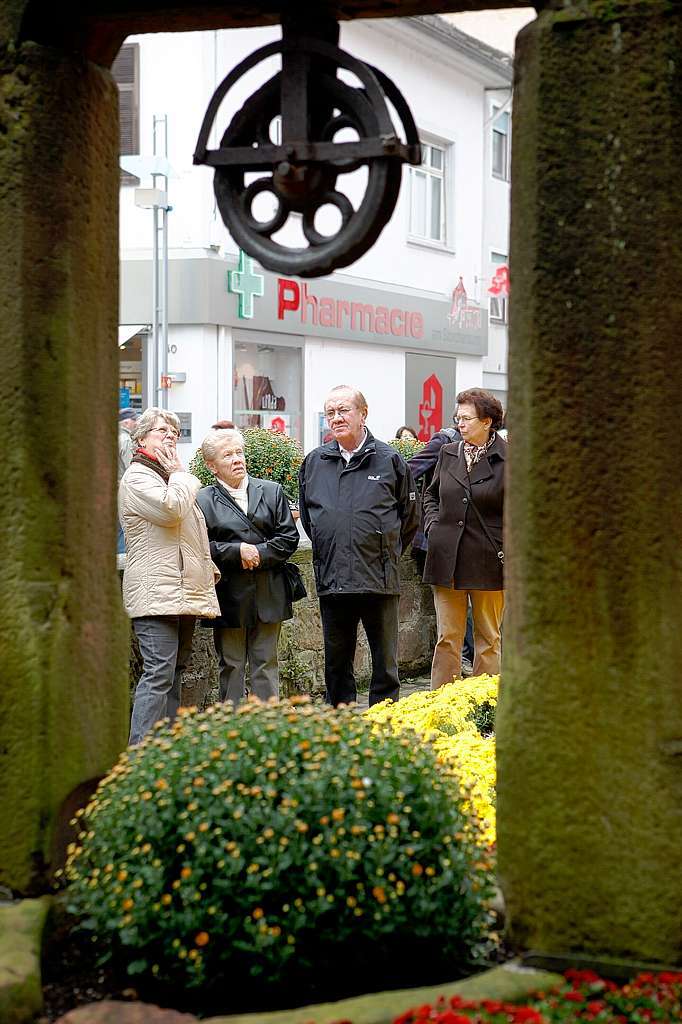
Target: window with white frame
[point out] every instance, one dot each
(501, 149)
(498, 293)
(427, 195)
(126, 72)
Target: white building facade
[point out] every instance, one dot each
(411, 322)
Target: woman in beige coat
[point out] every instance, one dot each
(169, 578)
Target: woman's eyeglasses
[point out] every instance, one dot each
(464, 419)
(166, 431)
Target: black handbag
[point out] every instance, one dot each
(293, 581)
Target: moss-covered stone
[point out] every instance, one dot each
(509, 982)
(63, 699)
(21, 929)
(589, 786)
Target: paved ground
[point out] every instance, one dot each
(406, 688)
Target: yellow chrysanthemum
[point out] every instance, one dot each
(446, 717)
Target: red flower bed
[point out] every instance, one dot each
(584, 996)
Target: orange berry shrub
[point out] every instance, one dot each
(274, 842)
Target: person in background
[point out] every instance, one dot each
(358, 505)
(464, 508)
(252, 533)
(169, 578)
(127, 418)
(405, 433)
(422, 464)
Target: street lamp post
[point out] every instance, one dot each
(156, 199)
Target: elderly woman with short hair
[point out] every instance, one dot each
(252, 534)
(169, 578)
(463, 517)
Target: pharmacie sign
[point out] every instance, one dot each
(240, 294)
(298, 304)
(330, 308)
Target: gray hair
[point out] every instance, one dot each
(359, 400)
(215, 438)
(148, 421)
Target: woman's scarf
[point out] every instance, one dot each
(143, 458)
(473, 453)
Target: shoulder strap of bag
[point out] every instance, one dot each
(498, 551)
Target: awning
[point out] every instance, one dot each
(128, 331)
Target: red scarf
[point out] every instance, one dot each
(144, 458)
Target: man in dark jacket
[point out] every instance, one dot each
(422, 465)
(358, 505)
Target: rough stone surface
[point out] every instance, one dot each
(111, 1011)
(589, 726)
(509, 982)
(21, 929)
(62, 636)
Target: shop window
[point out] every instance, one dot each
(427, 195)
(126, 72)
(267, 387)
(500, 144)
(131, 372)
(498, 299)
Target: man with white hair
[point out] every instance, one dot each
(358, 505)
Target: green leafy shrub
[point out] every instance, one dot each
(280, 842)
(407, 446)
(269, 455)
(200, 469)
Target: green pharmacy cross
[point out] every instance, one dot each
(245, 283)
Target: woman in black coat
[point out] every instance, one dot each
(251, 533)
(463, 516)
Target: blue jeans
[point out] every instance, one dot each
(120, 541)
(165, 645)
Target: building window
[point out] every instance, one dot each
(500, 144)
(267, 387)
(126, 72)
(427, 195)
(499, 289)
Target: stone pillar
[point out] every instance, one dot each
(590, 720)
(63, 638)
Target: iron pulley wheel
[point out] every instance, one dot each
(303, 175)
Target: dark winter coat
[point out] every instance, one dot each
(421, 464)
(359, 517)
(458, 548)
(247, 596)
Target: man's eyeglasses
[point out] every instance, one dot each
(464, 419)
(341, 410)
